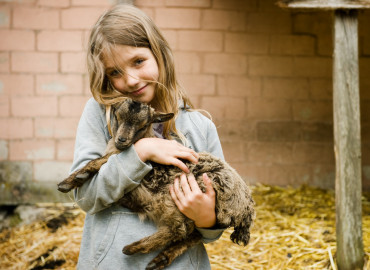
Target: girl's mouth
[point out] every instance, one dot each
(138, 92)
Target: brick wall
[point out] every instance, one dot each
(263, 73)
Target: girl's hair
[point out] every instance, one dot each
(126, 25)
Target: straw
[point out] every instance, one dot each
(294, 229)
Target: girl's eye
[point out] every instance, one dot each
(114, 73)
(139, 61)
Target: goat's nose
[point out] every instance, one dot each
(122, 140)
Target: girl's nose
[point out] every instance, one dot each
(131, 79)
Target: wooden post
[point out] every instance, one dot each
(347, 140)
(347, 137)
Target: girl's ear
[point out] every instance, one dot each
(161, 117)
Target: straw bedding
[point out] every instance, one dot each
(294, 229)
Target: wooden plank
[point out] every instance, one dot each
(324, 4)
(350, 250)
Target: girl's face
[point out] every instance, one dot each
(133, 71)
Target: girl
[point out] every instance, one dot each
(128, 57)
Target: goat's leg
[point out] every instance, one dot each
(170, 253)
(79, 177)
(158, 240)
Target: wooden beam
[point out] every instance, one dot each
(324, 4)
(347, 138)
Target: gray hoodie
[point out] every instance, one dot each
(108, 226)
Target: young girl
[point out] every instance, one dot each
(128, 57)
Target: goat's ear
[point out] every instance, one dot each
(161, 117)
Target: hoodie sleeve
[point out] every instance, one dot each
(119, 175)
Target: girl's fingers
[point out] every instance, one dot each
(185, 185)
(193, 183)
(208, 183)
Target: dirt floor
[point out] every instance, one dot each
(294, 229)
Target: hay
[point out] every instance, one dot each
(294, 229)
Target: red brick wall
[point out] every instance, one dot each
(262, 72)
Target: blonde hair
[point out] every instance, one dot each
(127, 25)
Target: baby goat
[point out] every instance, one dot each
(151, 199)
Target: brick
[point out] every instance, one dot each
(35, 18)
(312, 23)
(150, 3)
(4, 62)
(238, 86)
(269, 22)
(65, 150)
(16, 84)
(58, 128)
(171, 37)
(73, 62)
(321, 89)
(188, 3)
(268, 5)
(365, 132)
(187, 62)
(321, 111)
(252, 174)
(292, 45)
(365, 45)
(286, 88)
(236, 130)
(314, 153)
(31, 150)
(59, 84)
(53, 3)
(250, 5)
(34, 106)
(206, 41)
(278, 131)
(51, 171)
(325, 45)
(81, 17)
(223, 20)
(34, 62)
(200, 84)
(4, 106)
(365, 110)
(178, 18)
(104, 3)
(5, 17)
(364, 85)
(317, 132)
(222, 63)
(4, 151)
(293, 175)
(233, 152)
(313, 67)
(269, 109)
(15, 128)
(72, 105)
(247, 43)
(323, 176)
(60, 40)
(224, 107)
(271, 66)
(269, 153)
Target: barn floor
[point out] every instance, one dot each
(294, 229)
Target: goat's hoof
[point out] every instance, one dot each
(64, 187)
(159, 262)
(128, 250)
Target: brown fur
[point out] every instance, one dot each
(151, 199)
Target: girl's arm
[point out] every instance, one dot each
(122, 172)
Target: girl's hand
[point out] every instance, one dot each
(192, 202)
(165, 152)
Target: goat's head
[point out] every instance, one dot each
(133, 120)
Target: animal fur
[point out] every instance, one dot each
(151, 199)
